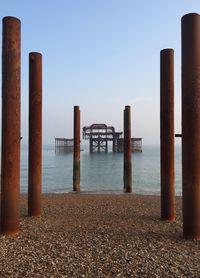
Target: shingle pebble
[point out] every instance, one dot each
(89, 235)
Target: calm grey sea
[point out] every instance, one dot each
(101, 172)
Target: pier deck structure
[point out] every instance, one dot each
(136, 144)
(100, 134)
(63, 145)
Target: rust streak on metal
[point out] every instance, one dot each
(167, 134)
(127, 151)
(10, 153)
(191, 125)
(35, 134)
(76, 161)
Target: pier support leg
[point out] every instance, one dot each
(127, 150)
(106, 145)
(99, 141)
(191, 125)
(91, 145)
(76, 162)
(35, 134)
(167, 134)
(10, 149)
(114, 145)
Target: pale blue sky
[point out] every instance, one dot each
(101, 55)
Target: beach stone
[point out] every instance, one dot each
(89, 235)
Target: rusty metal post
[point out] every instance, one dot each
(191, 125)
(76, 162)
(167, 134)
(127, 150)
(35, 134)
(10, 152)
(124, 166)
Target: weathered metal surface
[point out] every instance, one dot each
(167, 134)
(76, 162)
(35, 134)
(10, 152)
(127, 150)
(191, 125)
(99, 135)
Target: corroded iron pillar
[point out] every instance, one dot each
(191, 125)
(35, 134)
(167, 134)
(76, 162)
(10, 149)
(127, 150)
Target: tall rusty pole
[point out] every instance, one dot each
(10, 152)
(127, 150)
(35, 134)
(76, 162)
(191, 125)
(167, 134)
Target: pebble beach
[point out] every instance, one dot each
(90, 235)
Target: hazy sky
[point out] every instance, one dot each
(101, 55)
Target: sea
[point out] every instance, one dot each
(100, 172)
